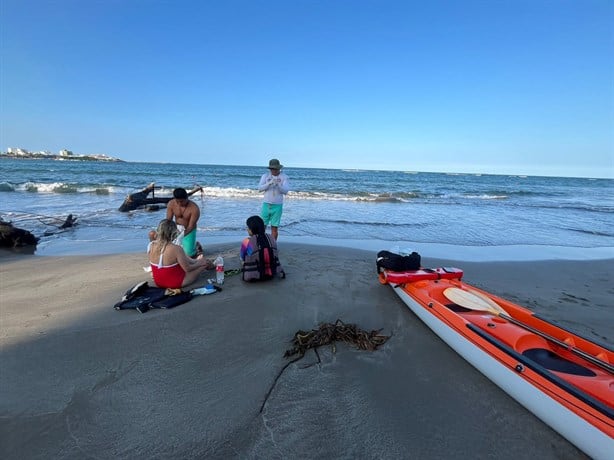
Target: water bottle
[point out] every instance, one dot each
(219, 270)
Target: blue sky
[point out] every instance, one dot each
(503, 87)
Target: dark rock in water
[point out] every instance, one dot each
(13, 237)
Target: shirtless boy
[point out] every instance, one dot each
(186, 214)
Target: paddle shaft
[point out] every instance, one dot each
(475, 300)
(596, 361)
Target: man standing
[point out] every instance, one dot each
(275, 185)
(186, 214)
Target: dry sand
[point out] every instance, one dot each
(81, 380)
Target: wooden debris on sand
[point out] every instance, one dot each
(13, 237)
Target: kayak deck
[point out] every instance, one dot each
(570, 369)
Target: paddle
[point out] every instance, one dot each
(474, 300)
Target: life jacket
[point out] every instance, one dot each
(263, 263)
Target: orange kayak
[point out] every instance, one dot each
(564, 379)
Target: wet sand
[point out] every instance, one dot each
(82, 380)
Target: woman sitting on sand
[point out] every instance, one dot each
(170, 266)
(259, 253)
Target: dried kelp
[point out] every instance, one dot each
(325, 334)
(338, 331)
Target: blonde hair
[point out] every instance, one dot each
(167, 231)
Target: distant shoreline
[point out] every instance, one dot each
(40, 156)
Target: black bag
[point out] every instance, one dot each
(171, 301)
(396, 262)
(142, 297)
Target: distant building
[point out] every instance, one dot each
(64, 154)
(18, 151)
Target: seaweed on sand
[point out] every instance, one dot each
(325, 334)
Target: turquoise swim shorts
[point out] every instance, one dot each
(271, 214)
(189, 243)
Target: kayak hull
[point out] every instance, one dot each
(579, 407)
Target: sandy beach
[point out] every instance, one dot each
(82, 380)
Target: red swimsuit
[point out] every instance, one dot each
(169, 276)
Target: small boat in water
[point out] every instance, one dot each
(564, 379)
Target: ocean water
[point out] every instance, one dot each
(487, 217)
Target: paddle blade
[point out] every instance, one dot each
(494, 305)
(472, 300)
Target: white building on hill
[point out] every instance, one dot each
(17, 151)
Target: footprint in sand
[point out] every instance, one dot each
(575, 299)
